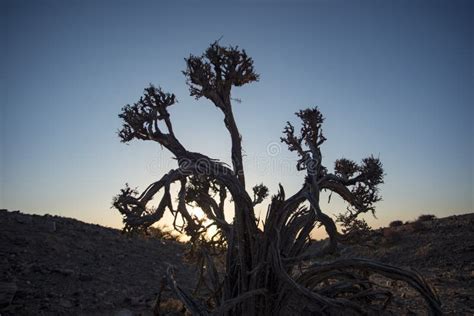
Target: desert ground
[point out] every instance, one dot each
(52, 265)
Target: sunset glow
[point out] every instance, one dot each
(395, 79)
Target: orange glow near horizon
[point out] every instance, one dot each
(200, 215)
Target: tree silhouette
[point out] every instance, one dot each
(263, 272)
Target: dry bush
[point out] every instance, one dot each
(424, 251)
(417, 226)
(396, 223)
(391, 235)
(170, 306)
(354, 230)
(426, 217)
(161, 232)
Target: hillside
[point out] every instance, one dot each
(56, 265)
(442, 250)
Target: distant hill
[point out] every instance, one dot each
(60, 266)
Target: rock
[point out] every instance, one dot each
(21, 241)
(65, 272)
(65, 303)
(24, 219)
(51, 226)
(86, 277)
(123, 312)
(135, 300)
(7, 292)
(37, 268)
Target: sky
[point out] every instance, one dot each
(392, 78)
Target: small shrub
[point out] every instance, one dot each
(354, 229)
(395, 223)
(170, 306)
(391, 236)
(426, 217)
(417, 226)
(163, 233)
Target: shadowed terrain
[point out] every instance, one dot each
(442, 250)
(53, 265)
(57, 265)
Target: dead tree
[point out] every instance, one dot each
(261, 275)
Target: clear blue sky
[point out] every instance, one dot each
(393, 78)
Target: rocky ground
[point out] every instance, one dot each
(442, 250)
(51, 265)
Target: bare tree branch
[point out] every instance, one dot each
(263, 272)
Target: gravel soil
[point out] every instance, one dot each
(442, 250)
(52, 265)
